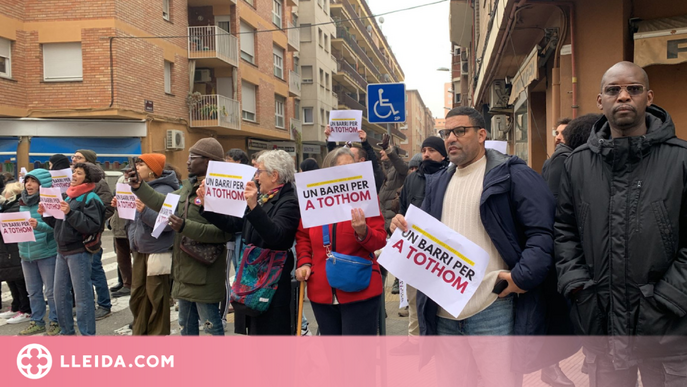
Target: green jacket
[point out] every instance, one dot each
(193, 281)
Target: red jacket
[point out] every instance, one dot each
(310, 249)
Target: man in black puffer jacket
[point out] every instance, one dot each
(621, 237)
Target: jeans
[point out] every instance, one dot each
(75, 271)
(100, 281)
(190, 312)
(460, 361)
(36, 274)
(654, 373)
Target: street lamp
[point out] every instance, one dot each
(443, 69)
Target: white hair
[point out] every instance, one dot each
(281, 162)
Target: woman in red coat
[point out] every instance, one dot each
(338, 312)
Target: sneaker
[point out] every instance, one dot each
(8, 314)
(404, 312)
(306, 332)
(123, 292)
(54, 329)
(19, 318)
(116, 287)
(101, 313)
(32, 329)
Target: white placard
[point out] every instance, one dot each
(61, 179)
(328, 195)
(167, 209)
(51, 199)
(402, 294)
(225, 184)
(15, 227)
(126, 202)
(436, 260)
(501, 146)
(345, 124)
(22, 173)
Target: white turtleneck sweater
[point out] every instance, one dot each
(461, 213)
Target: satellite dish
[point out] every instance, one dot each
(381, 20)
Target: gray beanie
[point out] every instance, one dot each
(415, 161)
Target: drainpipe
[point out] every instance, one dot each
(573, 67)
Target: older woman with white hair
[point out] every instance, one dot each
(270, 222)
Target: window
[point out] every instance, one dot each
(326, 42)
(307, 74)
(279, 111)
(307, 115)
(248, 94)
(62, 62)
(306, 32)
(168, 77)
(326, 80)
(321, 77)
(278, 54)
(322, 121)
(165, 9)
(223, 22)
(247, 43)
(276, 12)
(5, 58)
(319, 36)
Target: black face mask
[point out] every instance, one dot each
(428, 167)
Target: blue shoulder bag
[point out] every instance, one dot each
(348, 273)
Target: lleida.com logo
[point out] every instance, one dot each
(34, 361)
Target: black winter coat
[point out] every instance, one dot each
(10, 262)
(272, 226)
(553, 168)
(621, 237)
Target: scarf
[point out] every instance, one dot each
(263, 198)
(430, 167)
(75, 192)
(30, 200)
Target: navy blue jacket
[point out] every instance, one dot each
(517, 211)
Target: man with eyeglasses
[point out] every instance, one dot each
(505, 207)
(621, 237)
(102, 189)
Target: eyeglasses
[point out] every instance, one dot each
(614, 90)
(259, 171)
(458, 131)
(78, 158)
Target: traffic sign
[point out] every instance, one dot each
(386, 102)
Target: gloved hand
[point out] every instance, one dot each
(385, 141)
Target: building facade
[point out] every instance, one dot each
(125, 77)
(419, 124)
(532, 62)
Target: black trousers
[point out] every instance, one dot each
(20, 297)
(352, 319)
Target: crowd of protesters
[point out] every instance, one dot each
(593, 246)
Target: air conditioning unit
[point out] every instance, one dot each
(202, 75)
(464, 67)
(175, 140)
(499, 127)
(456, 50)
(464, 55)
(498, 96)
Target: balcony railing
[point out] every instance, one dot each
(294, 37)
(294, 83)
(215, 111)
(212, 42)
(352, 103)
(348, 38)
(342, 65)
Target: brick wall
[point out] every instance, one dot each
(13, 93)
(42, 10)
(12, 8)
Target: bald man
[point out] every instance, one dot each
(621, 238)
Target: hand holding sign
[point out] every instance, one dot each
(41, 209)
(33, 222)
(251, 194)
(175, 222)
(358, 222)
(64, 207)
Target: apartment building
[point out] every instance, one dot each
(532, 62)
(124, 77)
(419, 124)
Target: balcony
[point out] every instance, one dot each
(215, 111)
(294, 84)
(348, 76)
(212, 47)
(294, 37)
(341, 33)
(351, 103)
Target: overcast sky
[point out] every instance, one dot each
(420, 41)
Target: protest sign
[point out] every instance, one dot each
(225, 185)
(61, 179)
(51, 198)
(402, 294)
(328, 195)
(501, 146)
(435, 260)
(126, 202)
(167, 209)
(15, 227)
(345, 124)
(22, 173)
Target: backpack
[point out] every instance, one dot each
(91, 242)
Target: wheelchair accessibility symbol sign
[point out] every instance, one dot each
(386, 102)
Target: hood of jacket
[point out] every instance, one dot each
(168, 178)
(659, 125)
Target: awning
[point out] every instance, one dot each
(108, 149)
(661, 41)
(8, 148)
